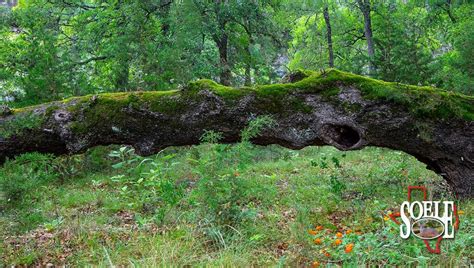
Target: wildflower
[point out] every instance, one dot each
(339, 234)
(327, 254)
(319, 227)
(315, 264)
(348, 231)
(338, 242)
(317, 241)
(312, 232)
(349, 247)
(460, 212)
(386, 218)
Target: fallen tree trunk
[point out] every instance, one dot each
(335, 108)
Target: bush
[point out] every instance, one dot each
(25, 174)
(222, 193)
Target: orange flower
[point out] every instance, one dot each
(312, 232)
(338, 242)
(386, 218)
(349, 248)
(315, 264)
(319, 227)
(327, 254)
(317, 241)
(339, 234)
(349, 231)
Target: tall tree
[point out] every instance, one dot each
(329, 36)
(365, 8)
(216, 17)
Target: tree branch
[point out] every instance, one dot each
(336, 108)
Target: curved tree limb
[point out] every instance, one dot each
(335, 108)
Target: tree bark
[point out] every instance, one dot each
(122, 73)
(364, 6)
(248, 64)
(449, 11)
(329, 36)
(248, 74)
(221, 39)
(225, 74)
(335, 108)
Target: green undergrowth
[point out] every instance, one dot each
(218, 205)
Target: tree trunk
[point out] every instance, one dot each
(225, 74)
(335, 108)
(248, 65)
(329, 36)
(248, 75)
(364, 6)
(449, 11)
(121, 79)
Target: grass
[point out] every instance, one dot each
(218, 205)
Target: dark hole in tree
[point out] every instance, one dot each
(345, 136)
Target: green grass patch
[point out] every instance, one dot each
(219, 205)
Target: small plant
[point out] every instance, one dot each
(323, 164)
(337, 186)
(164, 191)
(125, 155)
(53, 225)
(255, 127)
(335, 160)
(222, 192)
(211, 136)
(127, 160)
(67, 166)
(148, 186)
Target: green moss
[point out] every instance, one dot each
(220, 90)
(425, 101)
(17, 124)
(49, 111)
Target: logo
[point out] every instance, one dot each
(427, 220)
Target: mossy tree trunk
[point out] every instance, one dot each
(333, 108)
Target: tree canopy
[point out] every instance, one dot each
(51, 49)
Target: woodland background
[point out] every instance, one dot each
(51, 49)
(218, 204)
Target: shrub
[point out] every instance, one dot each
(25, 174)
(222, 193)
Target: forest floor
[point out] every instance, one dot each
(219, 205)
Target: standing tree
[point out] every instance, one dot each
(365, 7)
(216, 16)
(329, 35)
